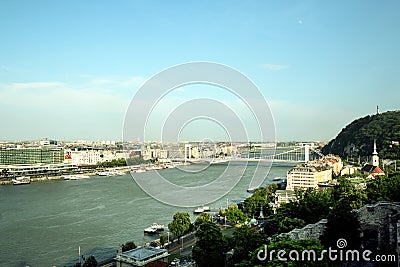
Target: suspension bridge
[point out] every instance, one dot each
(295, 154)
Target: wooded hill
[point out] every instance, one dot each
(357, 138)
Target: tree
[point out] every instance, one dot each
(235, 215)
(276, 224)
(260, 198)
(342, 224)
(128, 246)
(203, 217)
(383, 188)
(245, 240)
(346, 191)
(180, 224)
(90, 262)
(311, 205)
(163, 239)
(210, 246)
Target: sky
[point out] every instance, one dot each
(69, 69)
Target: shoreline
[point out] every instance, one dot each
(91, 172)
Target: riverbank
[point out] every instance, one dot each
(91, 172)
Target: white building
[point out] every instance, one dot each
(308, 176)
(90, 157)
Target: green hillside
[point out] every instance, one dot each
(357, 138)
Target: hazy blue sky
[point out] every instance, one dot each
(68, 69)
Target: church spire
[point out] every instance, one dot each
(375, 157)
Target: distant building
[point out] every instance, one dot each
(143, 256)
(155, 153)
(308, 175)
(83, 157)
(49, 154)
(90, 157)
(348, 170)
(334, 162)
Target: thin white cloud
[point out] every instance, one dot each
(35, 85)
(126, 82)
(106, 96)
(93, 111)
(269, 66)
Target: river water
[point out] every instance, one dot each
(44, 223)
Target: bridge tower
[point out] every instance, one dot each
(307, 153)
(188, 151)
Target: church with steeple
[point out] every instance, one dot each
(373, 168)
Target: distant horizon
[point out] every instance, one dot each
(120, 140)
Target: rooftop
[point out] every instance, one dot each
(142, 255)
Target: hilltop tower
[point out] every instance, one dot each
(375, 157)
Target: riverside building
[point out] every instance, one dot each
(49, 154)
(308, 175)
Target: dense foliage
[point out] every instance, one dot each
(357, 138)
(180, 224)
(128, 246)
(334, 204)
(210, 246)
(122, 162)
(241, 247)
(89, 262)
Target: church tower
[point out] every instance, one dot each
(375, 157)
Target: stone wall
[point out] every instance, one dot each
(379, 227)
(310, 231)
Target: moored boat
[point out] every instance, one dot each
(150, 230)
(154, 228)
(138, 170)
(202, 209)
(206, 208)
(21, 180)
(198, 210)
(251, 189)
(76, 177)
(111, 173)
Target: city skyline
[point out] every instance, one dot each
(68, 70)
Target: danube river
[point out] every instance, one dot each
(44, 223)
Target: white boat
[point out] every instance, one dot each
(150, 230)
(111, 173)
(21, 180)
(251, 189)
(76, 177)
(201, 209)
(206, 208)
(158, 227)
(154, 228)
(139, 170)
(198, 210)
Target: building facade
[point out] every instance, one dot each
(308, 176)
(32, 155)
